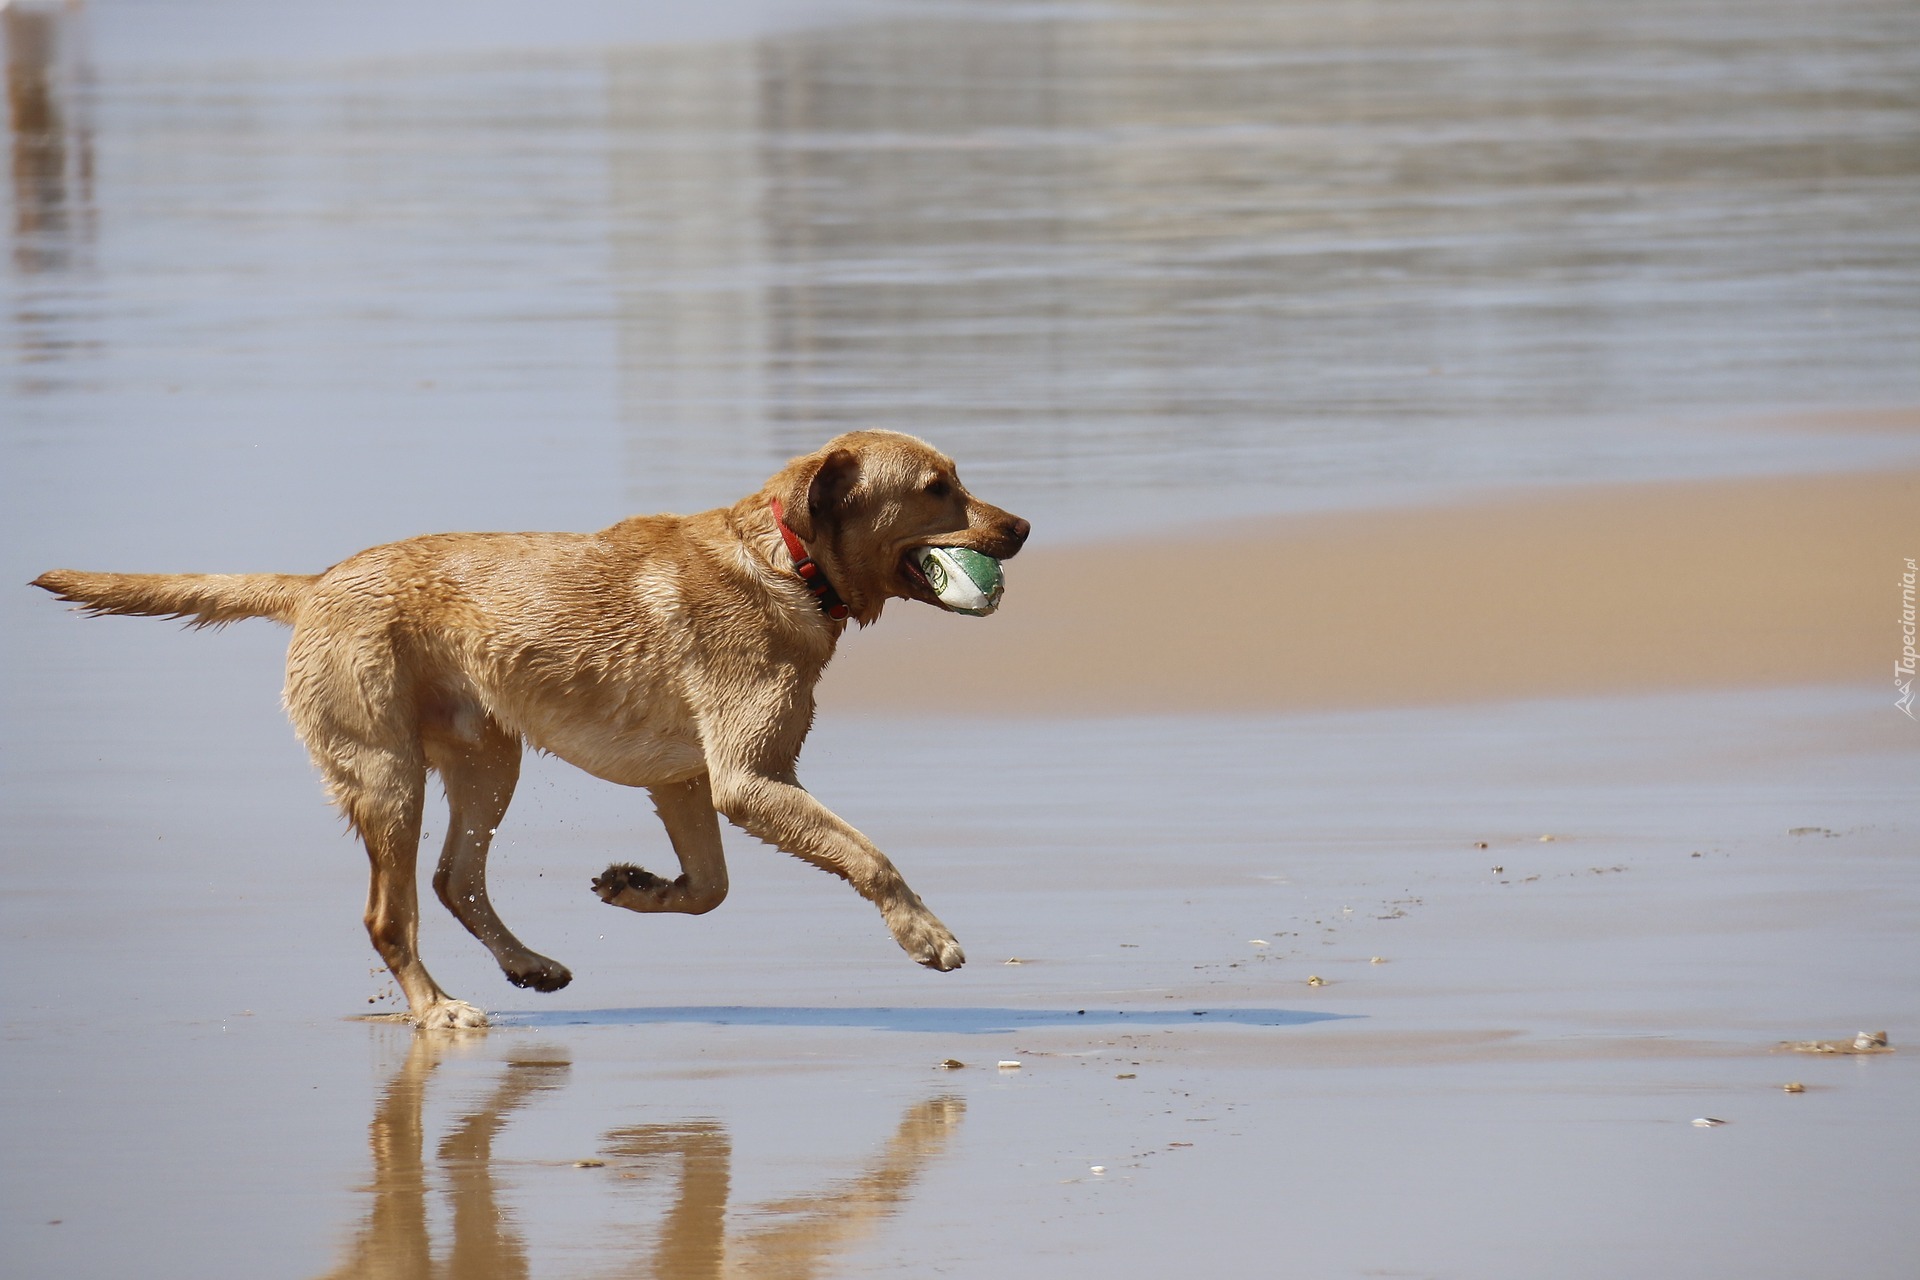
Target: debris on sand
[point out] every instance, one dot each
(1707, 1122)
(1316, 981)
(1808, 831)
(589, 1164)
(1009, 1064)
(950, 1064)
(1865, 1042)
(1794, 1086)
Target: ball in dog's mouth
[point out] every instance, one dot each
(962, 579)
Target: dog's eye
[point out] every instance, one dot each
(937, 489)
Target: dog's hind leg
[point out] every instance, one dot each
(352, 706)
(686, 809)
(383, 801)
(479, 768)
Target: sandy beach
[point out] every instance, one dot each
(1577, 591)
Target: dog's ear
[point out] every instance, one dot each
(831, 485)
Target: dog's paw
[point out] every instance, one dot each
(945, 955)
(922, 936)
(635, 888)
(450, 1015)
(539, 973)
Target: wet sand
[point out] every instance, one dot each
(1578, 590)
(1632, 808)
(1556, 912)
(758, 1092)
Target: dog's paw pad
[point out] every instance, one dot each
(540, 973)
(623, 878)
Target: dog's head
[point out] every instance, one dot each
(865, 501)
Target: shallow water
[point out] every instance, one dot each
(1128, 262)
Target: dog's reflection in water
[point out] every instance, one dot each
(394, 1244)
(800, 1234)
(795, 1238)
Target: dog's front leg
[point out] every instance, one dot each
(779, 811)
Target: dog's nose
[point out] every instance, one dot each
(1020, 529)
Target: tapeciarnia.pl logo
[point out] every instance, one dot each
(1903, 669)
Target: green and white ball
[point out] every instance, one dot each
(965, 581)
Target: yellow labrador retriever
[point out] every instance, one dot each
(675, 653)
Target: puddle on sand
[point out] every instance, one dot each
(952, 1021)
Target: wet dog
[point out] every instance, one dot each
(675, 653)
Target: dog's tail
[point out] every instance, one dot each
(203, 599)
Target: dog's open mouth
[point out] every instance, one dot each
(917, 581)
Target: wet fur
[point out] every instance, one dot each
(675, 653)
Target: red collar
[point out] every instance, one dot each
(809, 569)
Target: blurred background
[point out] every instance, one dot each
(357, 271)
